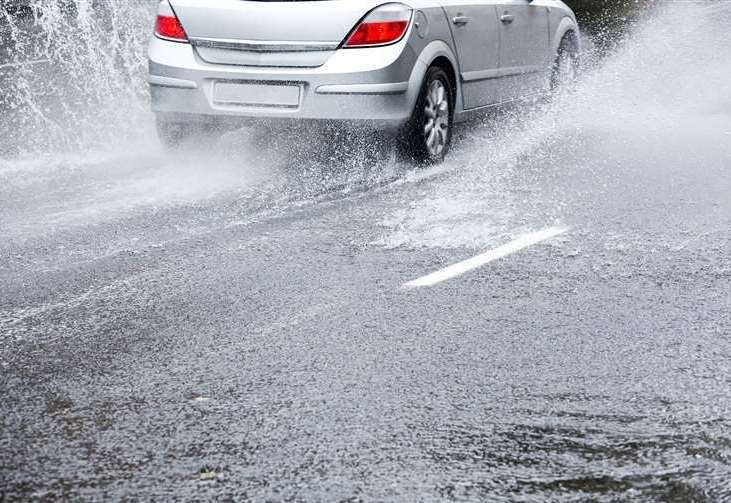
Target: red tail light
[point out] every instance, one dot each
(379, 33)
(168, 25)
(384, 26)
(169, 28)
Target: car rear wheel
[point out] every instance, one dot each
(428, 135)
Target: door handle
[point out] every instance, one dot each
(507, 18)
(460, 20)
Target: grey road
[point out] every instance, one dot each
(232, 322)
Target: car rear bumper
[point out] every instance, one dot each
(355, 85)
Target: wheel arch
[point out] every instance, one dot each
(567, 26)
(446, 65)
(437, 53)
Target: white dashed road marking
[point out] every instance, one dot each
(461, 268)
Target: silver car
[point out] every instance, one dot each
(414, 68)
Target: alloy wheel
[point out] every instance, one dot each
(437, 113)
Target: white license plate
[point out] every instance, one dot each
(258, 95)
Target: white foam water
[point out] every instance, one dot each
(73, 76)
(664, 92)
(77, 133)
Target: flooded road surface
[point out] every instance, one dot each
(233, 323)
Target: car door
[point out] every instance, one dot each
(524, 46)
(476, 35)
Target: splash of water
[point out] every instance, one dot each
(73, 74)
(664, 93)
(88, 93)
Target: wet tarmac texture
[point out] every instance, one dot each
(231, 323)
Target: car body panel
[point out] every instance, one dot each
(476, 33)
(524, 46)
(378, 85)
(251, 33)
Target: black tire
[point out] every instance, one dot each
(417, 142)
(566, 66)
(174, 134)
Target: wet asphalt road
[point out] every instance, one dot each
(279, 358)
(233, 325)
